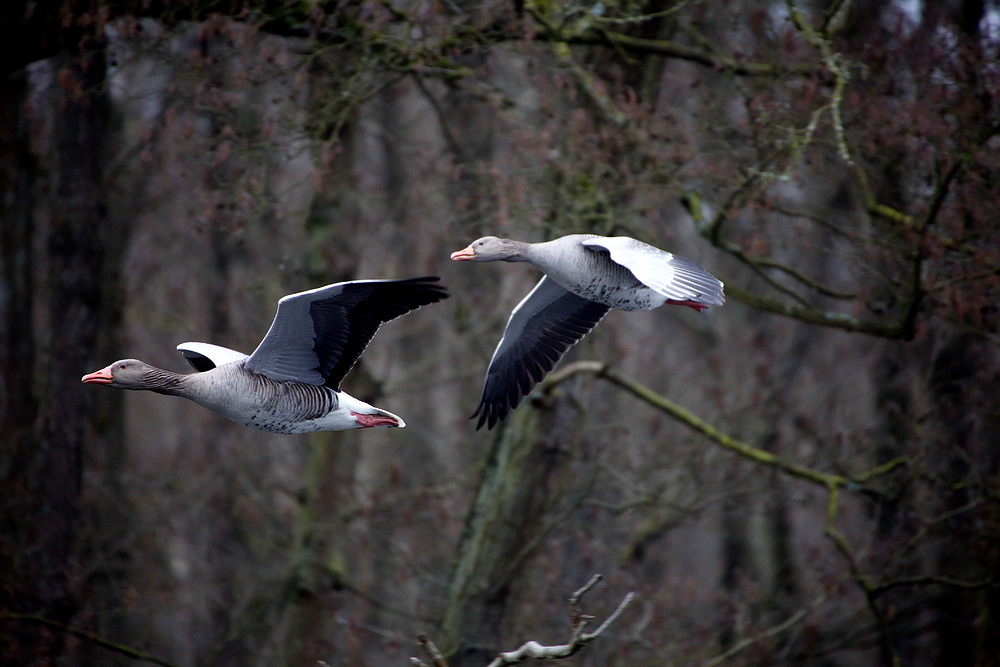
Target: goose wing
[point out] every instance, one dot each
(205, 356)
(673, 276)
(544, 325)
(317, 336)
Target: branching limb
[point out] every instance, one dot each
(590, 30)
(532, 649)
(442, 119)
(642, 18)
(936, 580)
(670, 49)
(899, 329)
(601, 370)
(578, 638)
(563, 54)
(902, 328)
(437, 659)
(586, 82)
(121, 649)
(836, 65)
(863, 581)
(832, 483)
(872, 204)
(712, 230)
(830, 225)
(770, 632)
(834, 17)
(814, 285)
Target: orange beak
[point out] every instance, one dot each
(465, 253)
(102, 376)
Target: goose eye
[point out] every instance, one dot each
(121, 365)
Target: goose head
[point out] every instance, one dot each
(131, 374)
(491, 249)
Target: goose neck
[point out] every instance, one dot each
(167, 382)
(517, 251)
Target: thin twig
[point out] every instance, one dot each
(626, 601)
(834, 62)
(574, 600)
(667, 48)
(122, 649)
(432, 650)
(603, 371)
(934, 579)
(770, 632)
(532, 649)
(814, 285)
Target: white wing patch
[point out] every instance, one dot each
(217, 354)
(674, 277)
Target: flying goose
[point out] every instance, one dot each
(585, 276)
(291, 382)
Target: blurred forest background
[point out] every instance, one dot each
(170, 168)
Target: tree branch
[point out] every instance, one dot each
(670, 49)
(892, 330)
(122, 649)
(834, 63)
(770, 632)
(601, 370)
(437, 659)
(814, 285)
(933, 579)
(590, 30)
(578, 638)
(902, 328)
(532, 649)
(586, 82)
(863, 581)
(832, 483)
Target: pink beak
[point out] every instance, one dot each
(465, 253)
(102, 376)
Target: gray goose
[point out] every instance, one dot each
(585, 276)
(291, 382)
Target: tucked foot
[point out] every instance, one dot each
(371, 421)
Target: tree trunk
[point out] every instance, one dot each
(51, 256)
(505, 520)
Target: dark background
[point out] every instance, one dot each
(171, 169)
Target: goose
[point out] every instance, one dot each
(585, 276)
(291, 382)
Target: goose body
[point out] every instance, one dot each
(585, 276)
(291, 382)
(257, 401)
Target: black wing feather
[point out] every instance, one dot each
(345, 324)
(317, 336)
(199, 362)
(544, 325)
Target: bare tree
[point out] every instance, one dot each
(807, 473)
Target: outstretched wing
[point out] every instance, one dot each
(205, 356)
(544, 325)
(317, 336)
(673, 276)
